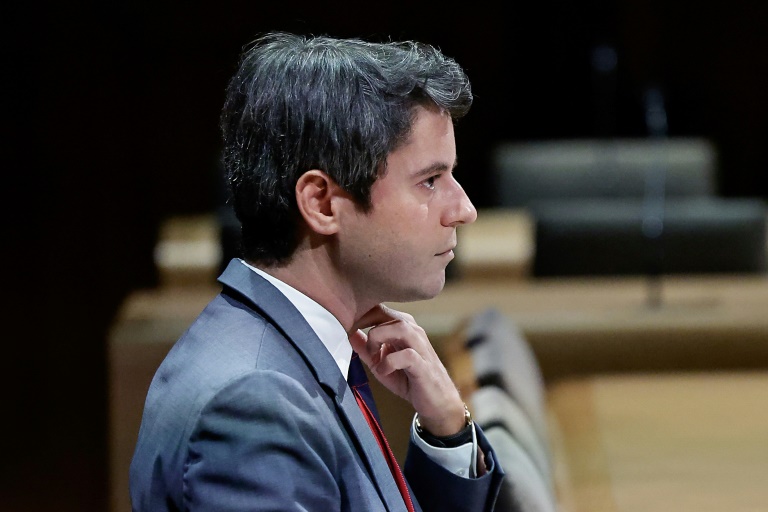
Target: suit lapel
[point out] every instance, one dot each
(265, 298)
(371, 453)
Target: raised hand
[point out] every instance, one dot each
(400, 356)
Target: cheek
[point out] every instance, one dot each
(409, 228)
(413, 216)
(401, 219)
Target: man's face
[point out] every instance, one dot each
(398, 251)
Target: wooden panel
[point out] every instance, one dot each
(498, 245)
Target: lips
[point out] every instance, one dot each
(449, 250)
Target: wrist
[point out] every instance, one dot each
(463, 436)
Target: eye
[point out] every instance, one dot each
(430, 182)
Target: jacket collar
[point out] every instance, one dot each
(259, 294)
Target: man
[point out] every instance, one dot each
(339, 155)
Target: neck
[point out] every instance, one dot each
(312, 272)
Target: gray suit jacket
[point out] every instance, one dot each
(249, 411)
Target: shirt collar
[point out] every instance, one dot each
(326, 326)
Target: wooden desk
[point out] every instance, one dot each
(677, 442)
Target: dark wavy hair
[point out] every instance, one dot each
(339, 105)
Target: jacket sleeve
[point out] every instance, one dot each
(439, 490)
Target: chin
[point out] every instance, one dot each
(428, 290)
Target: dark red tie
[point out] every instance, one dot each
(358, 382)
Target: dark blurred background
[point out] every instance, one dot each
(111, 114)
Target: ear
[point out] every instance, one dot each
(315, 191)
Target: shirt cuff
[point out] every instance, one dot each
(461, 461)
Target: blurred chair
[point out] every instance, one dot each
(502, 357)
(523, 488)
(528, 172)
(607, 237)
(630, 207)
(493, 407)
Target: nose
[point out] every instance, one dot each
(459, 209)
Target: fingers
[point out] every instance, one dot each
(375, 349)
(358, 340)
(399, 345)
(392, 360)
(398, 353)
(371, 351)
(390, 332)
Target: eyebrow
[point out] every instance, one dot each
(435, 167)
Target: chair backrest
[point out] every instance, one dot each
(607, 237)
(501, 356)
(527, 172)
(493, 407)
(523, 489)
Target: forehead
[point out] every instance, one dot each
(430, 142)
